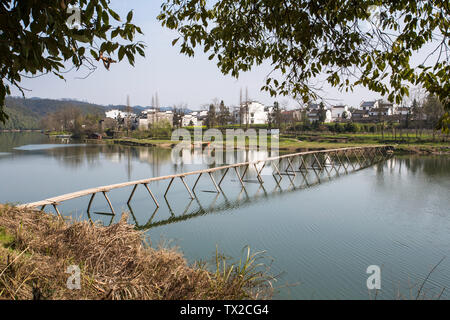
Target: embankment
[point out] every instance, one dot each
(36, 249)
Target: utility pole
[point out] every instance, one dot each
(240, 108)
(246, 108)
(128, 117)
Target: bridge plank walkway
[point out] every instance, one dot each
(366, 154)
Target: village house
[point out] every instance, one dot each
(313, 106)
(189, 120)
(115, 114)
(340, 112)
(403, 111)
(360, 115)
(381, 108)
(150, 116)
(314, 115)
(367, 105)
(255, 114)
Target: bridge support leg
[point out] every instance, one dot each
(340, 161)
(226, 171)
(90, 203)
(214, 182)
(132, 193)
(357, 158)
(168, 187)
(245, 171)
(196, 181)
(109, 203)
(261, 181)
(317, 161)
(348, 160)
(187, 188)
(151, 194)
(292, 167)
(57, 211)
(239, 177)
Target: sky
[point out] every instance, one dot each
(177, 79)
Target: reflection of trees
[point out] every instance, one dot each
(93, 155)
(427, 165)
(10, 140)
(75, 156)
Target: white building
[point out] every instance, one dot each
(151, 116)
(255, 113)
(314, 116)
(367, 105)
(338, 111)
(189, 120)
(403, 111)
(381, 111)
(115, 113)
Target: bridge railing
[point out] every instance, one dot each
(322, 161)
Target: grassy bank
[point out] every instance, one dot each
(302, 142)
(37, 248)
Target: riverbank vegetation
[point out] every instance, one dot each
(36, 250)
(407, 142)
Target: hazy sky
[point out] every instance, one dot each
(176, 77)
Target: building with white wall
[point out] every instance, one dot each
(256, 113)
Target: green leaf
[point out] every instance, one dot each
(130, 16)
(114, 14)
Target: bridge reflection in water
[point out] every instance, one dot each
(288, 173)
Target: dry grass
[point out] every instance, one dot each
(114, 263)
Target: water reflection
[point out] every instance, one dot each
(221, 201)
(394, 214)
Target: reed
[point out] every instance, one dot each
(114, 261)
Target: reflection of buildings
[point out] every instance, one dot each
(210, 155)
(151, 116)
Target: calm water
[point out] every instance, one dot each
(318, 239)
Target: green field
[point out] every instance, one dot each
(424, 143)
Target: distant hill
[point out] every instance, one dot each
(27, 113)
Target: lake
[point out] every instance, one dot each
(318, 240)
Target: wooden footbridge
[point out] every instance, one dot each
(290, 165)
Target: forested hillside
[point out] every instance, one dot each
(27, 113)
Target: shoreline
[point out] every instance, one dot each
(296, 146)
(114, 263)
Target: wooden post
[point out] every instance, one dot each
(357, 158)
(238, 175)
(258, 176)
(318, 162)
(348, 159)
(168, 187)
(245, 171)
(226, 171)
(151, 194)
(292, 167)
(196, 181)
(109, 202)
(214, 182)
(90, 202)
(187, 188)
(57, 211)
(132, 193)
